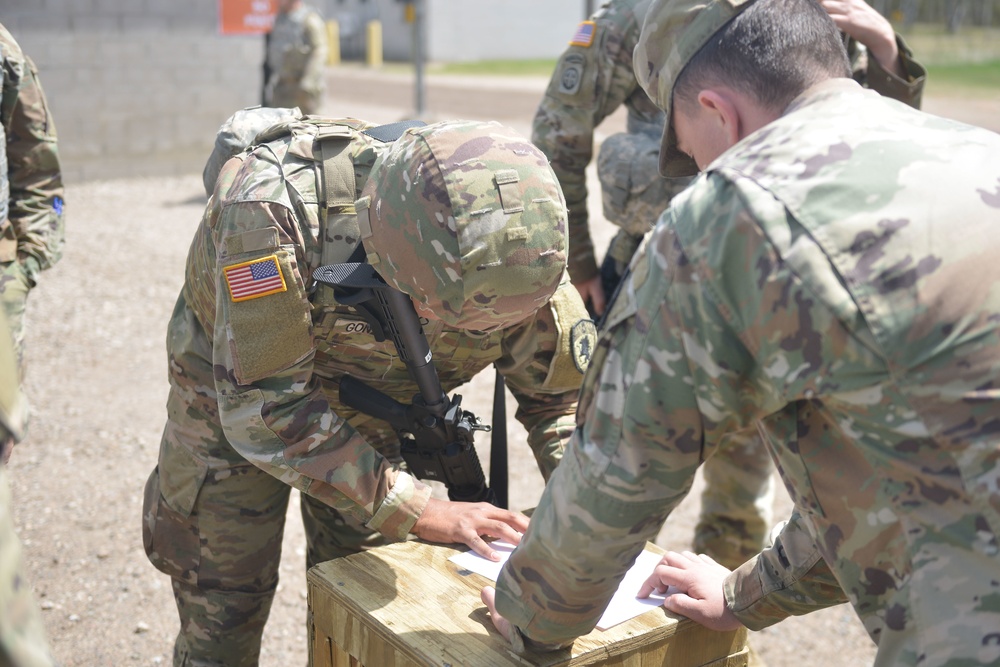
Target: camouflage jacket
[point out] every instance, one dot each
(31, 188)
(297, 50)
(592, 81)
(279, 357)
(869, 73)
(593, 78)
(831, 280)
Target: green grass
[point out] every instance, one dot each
(539, 67)
(972, 78)
(964, 63)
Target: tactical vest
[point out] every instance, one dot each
(335, 189)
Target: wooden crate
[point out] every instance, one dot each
(407, 605)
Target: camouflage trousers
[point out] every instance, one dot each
(22, 634)
(214, 522)
(737, 502)
(14, 287)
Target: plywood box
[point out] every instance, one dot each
(407, 605)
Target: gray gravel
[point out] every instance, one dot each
(97, 386)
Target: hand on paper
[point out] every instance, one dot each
(452, 522)
(699, 595)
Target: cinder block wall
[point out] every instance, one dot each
(139, 87)
(136, 87)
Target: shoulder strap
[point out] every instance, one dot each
(337, 167)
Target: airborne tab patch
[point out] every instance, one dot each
(256, 278)
(584, 35)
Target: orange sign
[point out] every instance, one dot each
(245, 17)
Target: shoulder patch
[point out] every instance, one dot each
(584, 35)
(583, 340)
(256, 278)
(571, 73)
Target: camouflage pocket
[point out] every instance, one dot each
(169, 531)
(577, 337)
(345, 343)
(267, 312)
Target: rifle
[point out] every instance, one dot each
(435, 433)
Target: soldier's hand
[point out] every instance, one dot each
(592, 295)
(451, 522)
(861, 21)
(489, 597)
(694, 587)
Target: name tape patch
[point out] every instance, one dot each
(584, 35)
(256, 278)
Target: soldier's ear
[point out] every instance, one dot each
(723, 113)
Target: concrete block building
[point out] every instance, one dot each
(139, 87)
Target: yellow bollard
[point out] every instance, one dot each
(373, 44)
(332, 42)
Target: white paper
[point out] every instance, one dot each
(623, 606)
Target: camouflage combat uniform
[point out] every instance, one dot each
(254, 407)
(832, 281)
(594, 77)
(22, 633)
(296, 57)
(31, 189)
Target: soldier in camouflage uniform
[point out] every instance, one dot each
(22, 634)
(467, 219)
(295, 58)
(31, 188)
(832, 275)
(593, 79)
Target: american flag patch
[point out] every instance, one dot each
(584, 35)
(255, 278)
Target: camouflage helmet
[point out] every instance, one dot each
(468, 219)
(632, 191)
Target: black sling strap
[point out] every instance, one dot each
(498, 436)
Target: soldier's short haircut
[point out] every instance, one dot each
(771, 52)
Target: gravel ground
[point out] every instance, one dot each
(97, 384)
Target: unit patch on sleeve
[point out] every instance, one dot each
(583, 338)
(258, 277)
(584, 35)
(571, 74)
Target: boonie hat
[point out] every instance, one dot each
(672, 33)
